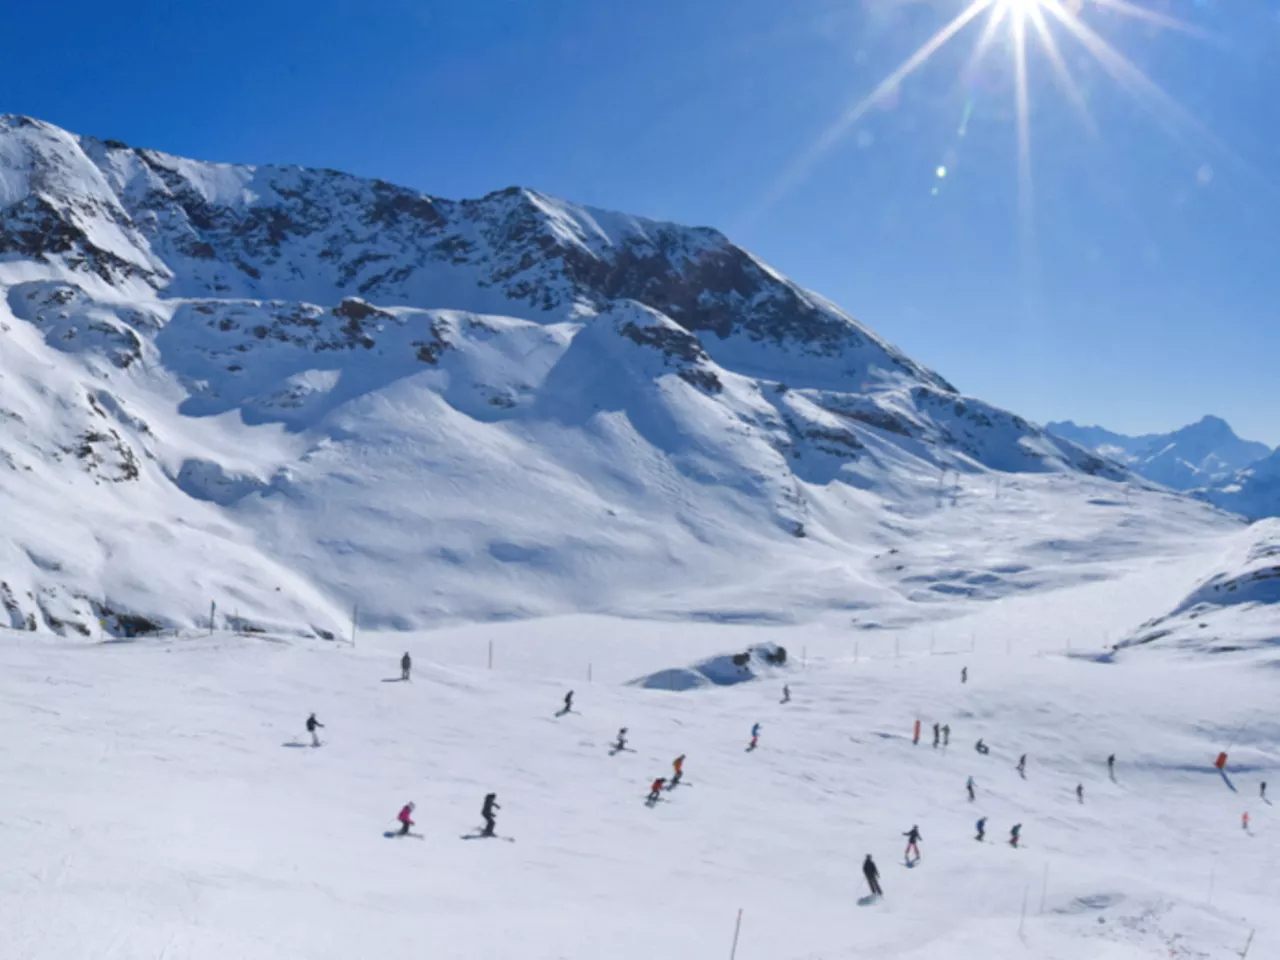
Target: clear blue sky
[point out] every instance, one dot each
(1146, 297)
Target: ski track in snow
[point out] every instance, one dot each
(215, 841)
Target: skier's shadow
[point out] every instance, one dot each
(293, 744)
(393, 679)
(867, 901)
(1227, 781)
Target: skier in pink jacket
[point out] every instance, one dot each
(406, 818)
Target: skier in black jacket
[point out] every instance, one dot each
(312, 723)
(490, 805)
(872, 873)
(913, 843)
(405, 665)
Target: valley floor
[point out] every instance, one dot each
(159, 801)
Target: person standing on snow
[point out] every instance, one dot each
(969, 786)
(981, 747)
(755, 736)
(964, 674)
(915, 734)
(982, 829)
(405, 664)
(622, 741)
(937, 735)
(1111, 766)
(1080, 792)
(1244, 821)
(786, 693)
(312, 724)
(913, 843)
(655, 791)
(490, 805)
(872, 873)
(1022, 766)
(1264, 791)
(946, 734)
(568, 702)
(677, 766)
(406, 818)
(1015, 834)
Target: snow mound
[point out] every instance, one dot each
(725, 670)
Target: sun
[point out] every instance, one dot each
(1024, 26)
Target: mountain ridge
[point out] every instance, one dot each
(349, 392)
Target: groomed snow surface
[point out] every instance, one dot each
(159, 800)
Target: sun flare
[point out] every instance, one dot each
(1025, 29)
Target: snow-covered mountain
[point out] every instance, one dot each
(290, 391)
(1253, 492)
(1198, 455)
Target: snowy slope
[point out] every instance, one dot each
(158, 801)
(1235, 607)
(291, 392)
(1199, 455)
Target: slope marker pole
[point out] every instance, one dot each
(355, 612)
(490, 654)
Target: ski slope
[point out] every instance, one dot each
(158, 802)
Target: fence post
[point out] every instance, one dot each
(355, 614)
(213, 612)
(804, 657)
(897, 648)
(490, 654)
(737, 927)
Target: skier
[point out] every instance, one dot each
(913, 843)
(1080, 792)
(982, 829)
(1111, 766)
(969, 786)
(568, 702)
(406, 818)
(964, 674)
(622, 741)
(490, 805)
(405, 664)
(946, 734)
(1022, 766)
(872, 873)
(915, 736)
(981, 747)
(1014, 834)
(312, 723)
(677, 765)
(1264, 791)
(1244, 821)
(786, 693)
(755, 736)
(937, 735)
(655, 791)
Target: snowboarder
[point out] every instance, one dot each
(406, 818)
(964, 674)
(755, 736)
(1014, 834)
(568, 702)
(915, 736)
(622, 741)
(655, 791)
(946, 734)
(1080, 792)
(969, 786)
(981, 747)
(1264, 791)
(405, 664)
(982, 829)
(872, 873)
(490, 805)
(913, 843)
(937, 735)
(786, 693)
(312, 724)
(1022, 766)
(677, 765)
